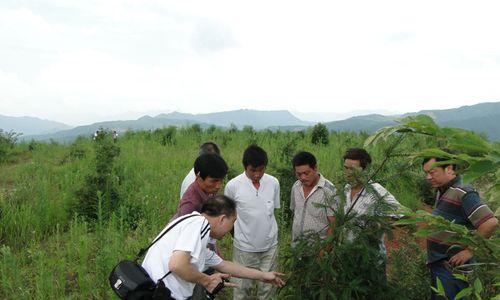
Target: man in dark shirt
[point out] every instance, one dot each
(210, 170)
(462, 205)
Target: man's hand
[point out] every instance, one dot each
(461, 257)
(211, 282)
(273, 278)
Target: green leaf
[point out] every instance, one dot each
(495, 156)
(464, 293)
(478, 286)
(433, 152)
(464, 141)
(422, 233)
(406, 222)
(382, 134)
(420, 124)
(478, 169)
(440, 288)
(460, 276)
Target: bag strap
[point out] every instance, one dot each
(203, 232)
(143, 250)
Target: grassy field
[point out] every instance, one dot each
(48, 251)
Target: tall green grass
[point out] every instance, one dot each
(49, 252)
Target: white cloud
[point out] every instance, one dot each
(83, 58)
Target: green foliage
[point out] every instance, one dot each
(211, 129)
(76, 151)
(7, 143)
(49, 253)
(408, 270)
(99, 196)
(352, 270)
(166, 136)
(195, 129)
(486, 250)
(320, 134)
(286, 177)
(476, 159)
(232, 128)
(351, 264)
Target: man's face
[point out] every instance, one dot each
(438, 176)
(255, 173)
(351, 166)
(306, 174)
(209, 185)
(222, 226)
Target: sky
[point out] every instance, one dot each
(79, 62)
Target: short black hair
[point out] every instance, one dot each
(254, 156)
(212, 165)
(358, 154)
(304, 158)
(438, 159)
(209, 148)
(219, 205)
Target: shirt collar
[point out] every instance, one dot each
(450, 183)
(200, 192)
(321, 181)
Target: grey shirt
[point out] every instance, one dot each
(310, 214)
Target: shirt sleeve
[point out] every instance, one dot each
(476, 211)
(211, 258)
(332, 200)
(390, 200)
(292, 199)
(228, 190)
(190, 178)
(187, 206)
(277, 203)
(190, 240)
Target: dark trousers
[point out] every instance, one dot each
(452, 286)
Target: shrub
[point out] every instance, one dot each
(76, 151)
(320, 134)
(99, 195)
(286, 177)
(195, 128)
(7, 143)
(168, 136)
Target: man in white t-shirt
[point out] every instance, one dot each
(205, 148)
(183, 252)
(257, 195)
(372, 199)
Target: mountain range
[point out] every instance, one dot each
(482, 118)
(31, 125)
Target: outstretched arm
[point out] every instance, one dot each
(244, 272)
(180, 265)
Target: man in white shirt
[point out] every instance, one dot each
(257, 195)
(375, 200)
(205, 148)
(183, 252)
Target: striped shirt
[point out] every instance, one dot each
(462, 205)
(311, 214)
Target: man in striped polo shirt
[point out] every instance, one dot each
(461, 204)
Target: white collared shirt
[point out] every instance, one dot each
(368, 204)
(190, 178)
(255, 229)
(190, 235)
